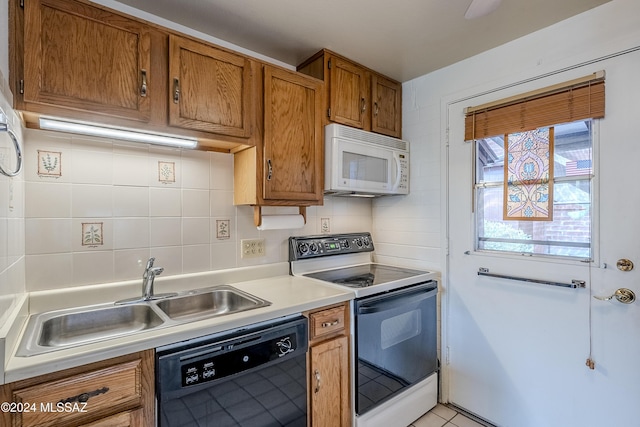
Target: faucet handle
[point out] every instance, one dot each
(150, 263)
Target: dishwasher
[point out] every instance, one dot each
(253, 376)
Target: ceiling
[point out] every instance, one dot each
(402, 39)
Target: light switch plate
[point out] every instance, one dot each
(252, 248)
(325, 225)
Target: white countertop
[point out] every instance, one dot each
(287, 294)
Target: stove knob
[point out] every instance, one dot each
(313, 248)
(346, 244)
(367, 242)
(359, 242)
(303, 248)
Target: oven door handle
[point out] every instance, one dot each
(395, 302)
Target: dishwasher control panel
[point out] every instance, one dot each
(305, 247)
(215, 356)
(228, 360)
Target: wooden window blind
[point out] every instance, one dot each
(578, 99)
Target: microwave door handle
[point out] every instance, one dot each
(398, 171)
(396, 302)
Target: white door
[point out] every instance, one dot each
(516, 351)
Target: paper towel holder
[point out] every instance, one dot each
(257, 214)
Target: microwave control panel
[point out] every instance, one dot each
(404, 173)
(305, 247)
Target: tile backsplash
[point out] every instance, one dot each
(97, 209)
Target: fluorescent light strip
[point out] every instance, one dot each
(122, 134)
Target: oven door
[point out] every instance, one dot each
(395, 342)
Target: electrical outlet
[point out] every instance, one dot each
(252, 248)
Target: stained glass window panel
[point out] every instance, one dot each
(529, 176)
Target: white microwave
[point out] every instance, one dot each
(365, 164)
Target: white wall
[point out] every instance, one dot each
(4, 39)
(12, 273)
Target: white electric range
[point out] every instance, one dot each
(394, 326)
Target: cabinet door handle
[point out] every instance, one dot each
(330, 324)
(143, 87)
(84, 397)
(316, 373)
(375, 109)
(269, 170)
(176, 90)
(363, 105)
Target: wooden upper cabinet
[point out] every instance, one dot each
(386, 97)
(210, 89)
(78, 60)
(293, 141)
(85, 58)
(357, 96)
(349, 93)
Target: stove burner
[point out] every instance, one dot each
(357, 281)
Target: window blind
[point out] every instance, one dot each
(578, 99)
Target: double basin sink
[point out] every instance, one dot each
(56, 330)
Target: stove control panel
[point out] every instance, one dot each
(304, 247)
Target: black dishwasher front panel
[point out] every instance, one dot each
(251, 377)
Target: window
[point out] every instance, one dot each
(547, 208)
(569, 232)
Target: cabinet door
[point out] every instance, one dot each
(123, 419)
(210, 89)
(329, 384)
(349, 93)
(293, 165)
(386, 96)
(85, 58)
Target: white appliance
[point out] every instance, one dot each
(394, 326)
(365, 164)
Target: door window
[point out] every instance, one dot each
(569, 232)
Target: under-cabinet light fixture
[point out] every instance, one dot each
(116, 133)
(365, 196)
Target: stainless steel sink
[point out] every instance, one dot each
(56, 330)
(68, 328)
(209, 302)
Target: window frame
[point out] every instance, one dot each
(593, 178)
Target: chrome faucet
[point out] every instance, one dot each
(149, 275)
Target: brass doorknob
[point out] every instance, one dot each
(624, 264)
(623, 295)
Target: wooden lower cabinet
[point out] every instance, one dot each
(116, 393)
(328, 371)
(124, 419)
(330, 383)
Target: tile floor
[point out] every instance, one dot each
(443, 416)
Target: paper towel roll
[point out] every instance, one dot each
(281, 222)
